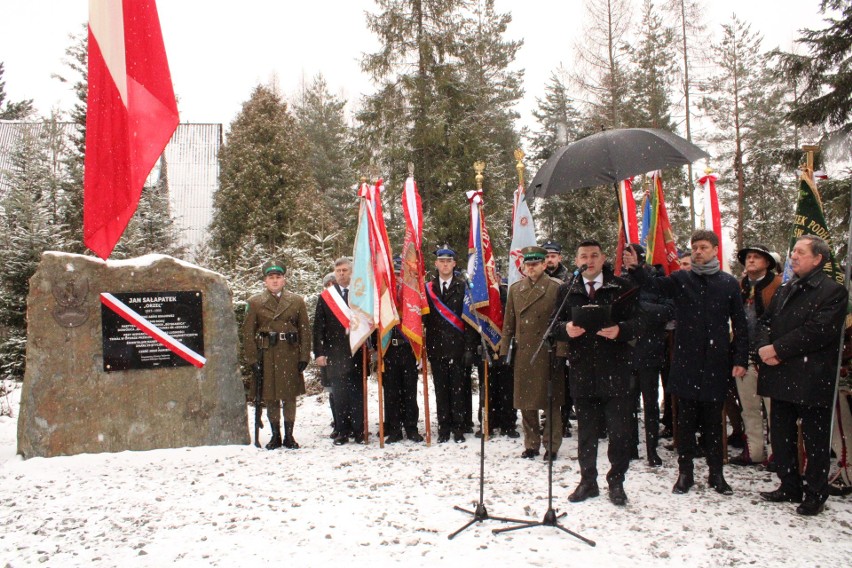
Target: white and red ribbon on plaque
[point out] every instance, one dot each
(152, 330)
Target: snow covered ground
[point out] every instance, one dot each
(367, 506)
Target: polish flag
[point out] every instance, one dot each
(131, 115)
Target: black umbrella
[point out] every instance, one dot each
(611, 156)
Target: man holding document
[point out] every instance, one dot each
(598, 317)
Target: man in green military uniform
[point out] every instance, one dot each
(529, 306)
(277, 324)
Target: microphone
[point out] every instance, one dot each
(466, 278)
(580, 269)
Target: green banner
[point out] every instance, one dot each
(810, 220)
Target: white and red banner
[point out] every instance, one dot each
(131, 114)
(338, 306)
(523, 234)
(154, 332)
(412, 291)
(712, 216)
(627, 214)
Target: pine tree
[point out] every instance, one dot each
(320, 116)
(266, 189)
(445, 101)
(19, 110)
(747, 108)
(602, 65)
(29, 226)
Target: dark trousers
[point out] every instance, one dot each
(501, 389)
(706, 415)
(616, 411)
(448, 376)
(816, 429)
(667, 419)
(561, 374)
(648, 387)
(349, 404)
(468, 399)
(399, 383)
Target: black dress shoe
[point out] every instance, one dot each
(529, 454)
(549, 456)
(812, 505)
(566, 432)
(717, 482)
(617, 494)
(443, 438)
(583, 491)
(458, 438)
(393, 438)
(742, 460)
(415, 436)
(654, 460)
(334, 434)
(782, 495)
(511, 433)
(479, 433)
(684, 482)
(341, 440)
(666, 432)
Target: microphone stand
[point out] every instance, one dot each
(551, 519)
(480, 513)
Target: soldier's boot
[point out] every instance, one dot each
(654, 459)
(275, 442)
(289, 442)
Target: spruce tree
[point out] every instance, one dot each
(13, 110)
(265, 186)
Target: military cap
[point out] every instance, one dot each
(760, 249)
(534, 254)
(273, 266)
(552, 246)
(445, 252)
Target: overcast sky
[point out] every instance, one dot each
(218, 51)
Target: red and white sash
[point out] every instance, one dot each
(338, 307)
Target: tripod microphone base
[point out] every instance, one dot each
(550, 520)
(480, 514)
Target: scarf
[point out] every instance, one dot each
(711, 267)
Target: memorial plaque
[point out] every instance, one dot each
(175, 314)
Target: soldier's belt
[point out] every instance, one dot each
(291, 337)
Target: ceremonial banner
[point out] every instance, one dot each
(386, 316)
(810, 220)
(523, 235)
(412, 292)
(130, 117)
(712, 216)
(482, 303)
(661, 247)
(627, 213)
(362, 292)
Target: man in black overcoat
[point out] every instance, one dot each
(600, 368)
(707, 303)
(799, 343)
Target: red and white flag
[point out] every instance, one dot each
(627, 213)
(712, 216)
(523, 235)
(412, 291)
(131, 115)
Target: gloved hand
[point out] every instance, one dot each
(468, 359)
(302, 366)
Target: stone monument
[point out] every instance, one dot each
(129, 355)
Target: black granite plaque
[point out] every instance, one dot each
(178, 314)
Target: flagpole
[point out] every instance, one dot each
(364, 371)
(428, 419)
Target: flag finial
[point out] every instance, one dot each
(519, 156)
(411, 169)
(808, 167)
(479, 167)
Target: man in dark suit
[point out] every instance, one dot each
(798, 344)
(449, 345)
(600, 368)
(332, 351)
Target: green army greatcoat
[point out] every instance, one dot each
(287, 314)
(528, 310)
